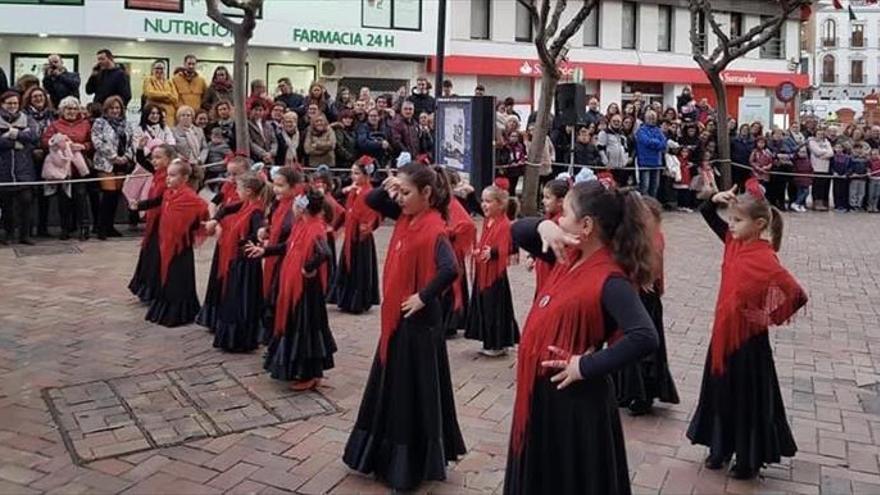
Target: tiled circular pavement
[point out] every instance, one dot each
(67, 319)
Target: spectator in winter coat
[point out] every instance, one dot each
(586, 152)
(405, 131)
(286, 95)
(58, 81)
(18, 138)
(741, 148)
(288, 140)
(614, 149)
(320, 143)
(650, 147)
(318, 96)
(821, 153)
(264, 147)
(108, 79)
(421, 99)
(593, 113)
(219, 90)
(191, 87)
(346, 139)
(161, 92)
(374, 138)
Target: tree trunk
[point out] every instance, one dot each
(239, 64)
(539, 138)
(723, 149)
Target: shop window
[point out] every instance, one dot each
(664, 29)
(42, 2)
(33, 64)
(481, 19)
(392, 14)
(155, 5)
(630, 25)
(591, 27)
(523, 23)
(301, 76)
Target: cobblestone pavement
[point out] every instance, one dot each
(148, 410)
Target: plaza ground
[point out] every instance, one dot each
(146, 409)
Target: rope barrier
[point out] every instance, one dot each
(90, 179)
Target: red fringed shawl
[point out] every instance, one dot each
(235, 228)
(181, 209)
(462, 232)
(333, 224)
(409, 266)
(229, 190)
(496, 235)
(543, 268)
(756, 292)
(157, 187)
(567, 314)
(283, 207)
(307, 231)
(357, 214)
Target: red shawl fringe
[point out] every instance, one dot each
(307, 231)
(283, 207)
(157, 187)
(543, 268)
(229, 190)
(235, 228)
(462, 232)
(357, 215)
(181, 209)
(496, 236)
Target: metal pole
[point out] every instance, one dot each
(441, 48)
(571, 153)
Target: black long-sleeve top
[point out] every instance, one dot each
(709, 210)
(444, 257)
(320, 253)
(621, 309)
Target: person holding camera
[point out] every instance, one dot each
(58, 81)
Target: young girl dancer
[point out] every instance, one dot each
(302, 346)
(491, 319)
(638, 384)
(407, 429)
(740, 410)
(234, 299)
(357, 275)
(566, 435)
(554, 194)
(462, 232)
(145, 280)
(181, 213)
(236, 166)
(287, 183)
(323, 181)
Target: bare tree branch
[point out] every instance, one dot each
(553, 25)
(571, 28)
(218, 17)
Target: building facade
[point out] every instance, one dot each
(624, 47)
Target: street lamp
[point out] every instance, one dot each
(440, 55)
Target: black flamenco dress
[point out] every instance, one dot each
(335, 222)
(145, 279)
(740, 410)
(356, 286)
(407, 429)
(490, 317)
(281, 220)
(176, 302)
(571, 441)
(462, 234)
(302, 345)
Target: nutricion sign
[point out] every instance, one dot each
(207, 29)
(343, 38)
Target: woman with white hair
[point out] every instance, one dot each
(189, 139)
(70, 198)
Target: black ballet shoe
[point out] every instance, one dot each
(640, 407)
(743, 473)
(715, 462)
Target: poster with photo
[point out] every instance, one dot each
(34, 63)
(453, 124)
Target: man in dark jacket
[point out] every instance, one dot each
(593, 113)
(684, 98)
(294, 101)
(18, 138)
(405, 131)
(422, 101)
(108, 79)
(58, 81)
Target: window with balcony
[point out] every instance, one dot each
(523, 23)
(736, 24)
(857, 72)
(701, 31)
(775, 46)
(591, 27)
(630, 25)
(664, 29)
(480, 19)
(829, 33)
(857, 37)
(828, 70)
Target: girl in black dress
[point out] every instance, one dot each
(181, 213)
(407, 429)
(287, 183)
(566, 436)
(323, 181)
(740, 410)
(302, 346)
(145, 280)
(638, 384)
(490, 317)
(357, 275)
(235, 285)
(462, 232)
(553, 195)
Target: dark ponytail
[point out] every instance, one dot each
(776, 228)
(620, 216)
(423, 176)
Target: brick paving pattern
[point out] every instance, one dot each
(153, 410)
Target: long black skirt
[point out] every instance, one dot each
(407, 428)
(331, 266)
(145, 280)
(490, 317)
(649, 378)
(454, 320)
(741, 412)
(306, 347)
(237, 327)
(356, 287)
(573, 442)
(176, 303)
(210, 311)
(267, 320)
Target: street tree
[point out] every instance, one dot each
(731, 47)
(550, 41)
(242, 32)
